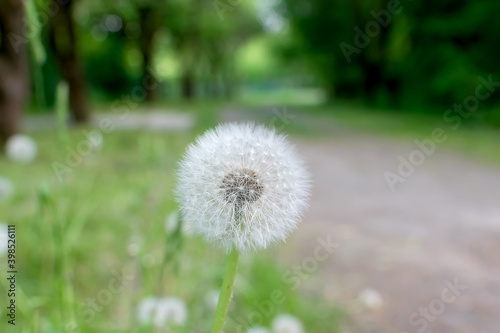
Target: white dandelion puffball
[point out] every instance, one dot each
(242, 186)
(21, 148)
(257, 329)
(6, 189)
(162, 312)
(371, 298)
(4, 235)
(170, 311)
(146, 310)
(287, 324)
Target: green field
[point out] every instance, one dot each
(105, 220)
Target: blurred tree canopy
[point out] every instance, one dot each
(390, 53)
(398, 53)
(126, 35)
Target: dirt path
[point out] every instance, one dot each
(431, 249)
(442, 224)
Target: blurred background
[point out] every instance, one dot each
(393, 104)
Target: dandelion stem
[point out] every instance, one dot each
(225, 292)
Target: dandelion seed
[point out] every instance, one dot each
(6, 189)
(242, 186)
(286, 323)
(21, 148)
(371, 298)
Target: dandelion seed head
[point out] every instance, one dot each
(146, 310)
(286, 323)
(21, 148)
(162, 312)
(170, 311)
(242, 186)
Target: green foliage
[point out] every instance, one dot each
(429, 53)
(105, 65)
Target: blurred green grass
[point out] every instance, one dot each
(75, 236)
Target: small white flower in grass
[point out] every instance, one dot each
(4, 235)
(146, 310)
(162, 312)
(258, 329)
(21, 148)
(170, 311)
(286, 323)
(242, 186)
(6, 189)
(371, 298)
(134, 247)
(211, 298)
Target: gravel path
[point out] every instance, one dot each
(440, 227)
(428, 253)
(142, 119)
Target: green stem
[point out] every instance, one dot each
(225, 292)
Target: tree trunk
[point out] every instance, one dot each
(63, 44)
(149, 26)
(188, 85)
(14, 78)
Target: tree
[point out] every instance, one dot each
(149, 23)
(63, 42)
(14, 80)
(185, 31)
(350, 61)
(220, 40)
(416, 52)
